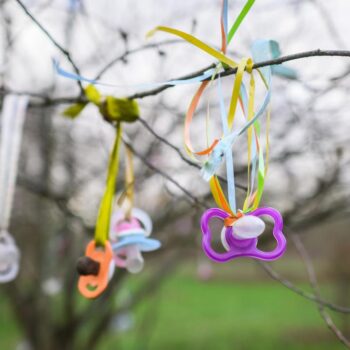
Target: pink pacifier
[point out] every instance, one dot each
(129, 256)
(129, 239)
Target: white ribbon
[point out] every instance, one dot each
(12, 119)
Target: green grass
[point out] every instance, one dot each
(190, 314)
(222, 315)
(9, 333)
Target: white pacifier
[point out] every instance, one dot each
(9, 258)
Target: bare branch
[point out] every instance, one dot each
(313, 282)
(48, 101)
(277, 61)
(277, 277)
(194, 199)
(130, 52)
(54, 41)
(177, 150)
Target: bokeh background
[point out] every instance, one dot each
(181, 299)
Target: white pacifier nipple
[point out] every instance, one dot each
(248, 227)
(134, 259)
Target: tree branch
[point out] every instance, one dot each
(194, 199)
(128, 52)
(48, 101)
(178, 151)
(314, 284)
(277, 61)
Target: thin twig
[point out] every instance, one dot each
(194, 199)
(53, 41)
(129, 52)
(277, 277)
(314, 284)
(178, 151)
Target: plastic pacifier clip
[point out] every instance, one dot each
(97, 267)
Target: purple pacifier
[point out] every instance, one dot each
(234, 236)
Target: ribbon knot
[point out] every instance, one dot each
(230, 220)
(249, 66)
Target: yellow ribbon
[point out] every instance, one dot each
(196, 42)
(105, 210)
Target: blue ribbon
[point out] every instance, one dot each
(60, 71)
(262, 50)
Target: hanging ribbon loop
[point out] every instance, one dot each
(12, 120)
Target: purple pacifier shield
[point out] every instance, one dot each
(243, 247)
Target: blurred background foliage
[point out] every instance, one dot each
(180, 300)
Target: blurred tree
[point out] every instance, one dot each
(63, 162)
